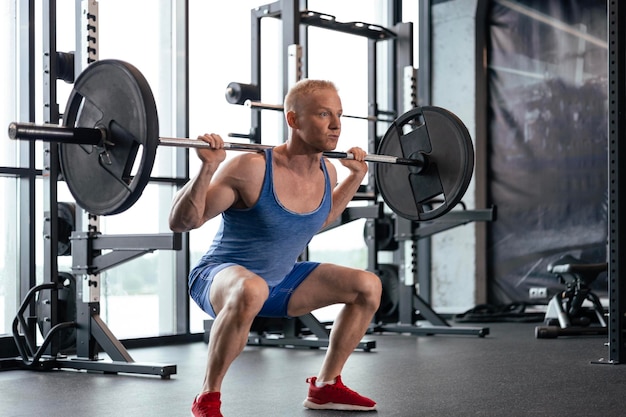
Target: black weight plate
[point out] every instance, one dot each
(444, 140)
(65, 226)
(108, 179)
(390, 297)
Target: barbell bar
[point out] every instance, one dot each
(416, 162)
(98, 137)
(278, 107)
(107, 147)
(248, 95)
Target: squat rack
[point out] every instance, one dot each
(402, 82)
(617, 182)
(92, 335)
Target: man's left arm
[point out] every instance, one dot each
(344, 192)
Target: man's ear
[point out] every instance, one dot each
(291, 119)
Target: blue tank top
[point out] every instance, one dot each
(267, 238)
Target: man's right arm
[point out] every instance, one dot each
(196, 202)
(207, 194)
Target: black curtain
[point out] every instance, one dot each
(547, 66)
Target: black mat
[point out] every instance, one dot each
(507, 373)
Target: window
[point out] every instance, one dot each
(139, 297)
(144, 36)
(9, 244)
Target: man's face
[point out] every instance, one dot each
(318, 119)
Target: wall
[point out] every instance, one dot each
(454, 88)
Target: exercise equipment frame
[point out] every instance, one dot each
(92, 334)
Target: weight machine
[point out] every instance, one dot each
(566, 315)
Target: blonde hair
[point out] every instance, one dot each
(303, 88)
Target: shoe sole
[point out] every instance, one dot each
(334, 406)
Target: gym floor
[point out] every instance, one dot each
(506, 373)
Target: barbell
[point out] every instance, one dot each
(99, 137)
(249, 95)
(111, 129)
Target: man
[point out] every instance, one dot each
(272, 203)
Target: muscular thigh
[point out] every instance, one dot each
(238, 284)
(326, 285)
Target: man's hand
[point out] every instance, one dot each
(216, 154)
(358, 164)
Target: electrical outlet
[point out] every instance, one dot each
(535, 293)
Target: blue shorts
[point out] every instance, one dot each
(200, 280)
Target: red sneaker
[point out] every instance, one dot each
(207, 405)
(336, 397)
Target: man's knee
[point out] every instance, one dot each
(371, 288)
(247, 296)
